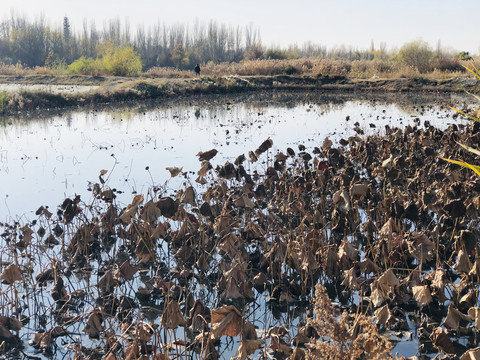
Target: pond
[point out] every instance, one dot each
(46, 159)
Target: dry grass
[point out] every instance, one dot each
(168, 72)
(357, 69)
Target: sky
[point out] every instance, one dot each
(332, 23)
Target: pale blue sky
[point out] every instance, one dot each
(327, 22)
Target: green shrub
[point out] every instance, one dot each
(84, 66)
(120, 61)
(416, 54)
(123, 61)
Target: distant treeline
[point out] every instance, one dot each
(38, 43)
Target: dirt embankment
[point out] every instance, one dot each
(30, 95)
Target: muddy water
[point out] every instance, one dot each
(44, 160)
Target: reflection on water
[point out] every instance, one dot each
(43, 160)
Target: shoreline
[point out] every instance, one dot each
(110, 91)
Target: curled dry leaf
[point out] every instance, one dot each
(126, 271)
(472, 354)
(358, 190)
(249, 343)
(204, 167)
(94, 327)
(267, 144)
(174, 171)
(131, 209)
(463, 264)
(452, 320)
(382, 315)
(172, 317)
(474, 313)
(207, 155)
(188, 196)
(442, 341)
(422, 295)
(226, 320)
(11, 274)
(10, 323)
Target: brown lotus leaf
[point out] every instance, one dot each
(11, 323)
(267, 144)
(226, 320)
(150, 212)
(188, 196)
(11, 274)
(387, 163)
(196, 319)
(47, 275)
(132, 208)
(420, 247)
(207, 155)
(475, 270)
(126, 271)
(252, 156)
(204, 167)
(442, 341)
(422, 295)
(246, 348)
(27, 236)
(202, 263)
(388, 280)
(452, 320)
(350, 279)
(358, 190)
(232, 290)
(236, 272)
(455, 208)
(201, 180)
(167, 206)
(471, 354)
(388, 229)
(281, 157)
(244, 202)
(161, 230)
(144, 331)
(469, 299)
(107, 282)
(331, 261)
(279, 345)
(260, 280)
(172, 316)
(474, 313)
(5, 334)
(42, 210)
(94, 327)
(439, 279)
(42, 340)
(327, 144)
(463, 264)
(246, 290)
(347, 250)
(377, 296)
(367, 266)
(174, 171)
(382, 315)
(341, 199)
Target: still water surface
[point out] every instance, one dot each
(42, 161)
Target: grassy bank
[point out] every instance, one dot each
(167, 83)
